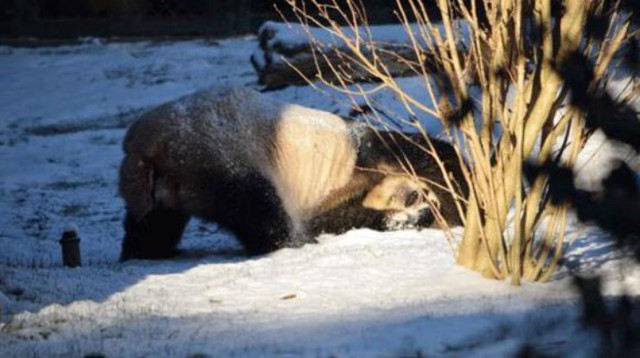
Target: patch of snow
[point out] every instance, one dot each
(111, 78)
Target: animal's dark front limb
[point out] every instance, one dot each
(251, 208)
(346, 217)
(353, 215)
(155, 236)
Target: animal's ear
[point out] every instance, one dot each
(390, 194)
(379, 196)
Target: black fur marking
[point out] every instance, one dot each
(155, 236)
(426, 219)
(250, 207)
(412, 198)
(347, 216)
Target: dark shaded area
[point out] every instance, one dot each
(614, 324)
(615, 209)
(598, 22)
(618, 120)
(465, 109)
(617, 325)
(74, 18)
(335, 335)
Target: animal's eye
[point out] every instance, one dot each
(411, 199)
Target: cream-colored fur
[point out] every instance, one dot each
(393, 191)
(314, 156)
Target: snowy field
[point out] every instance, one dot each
(63, 113)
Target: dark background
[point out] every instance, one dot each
(149, 18)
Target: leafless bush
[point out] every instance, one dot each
(516, 83)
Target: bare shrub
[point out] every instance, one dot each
(512, 84)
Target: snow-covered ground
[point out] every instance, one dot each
(63, 113)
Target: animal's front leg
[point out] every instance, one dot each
(154, 236)
(251, 208)
(345, 217)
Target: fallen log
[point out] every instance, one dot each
(292, 55)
